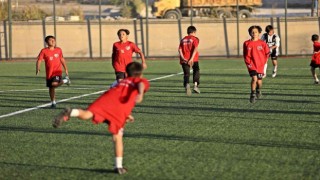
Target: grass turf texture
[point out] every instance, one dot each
(217, 134)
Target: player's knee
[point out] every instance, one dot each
(55, 84)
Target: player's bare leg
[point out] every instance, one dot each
(67, 113)
(314, 75)
(275, 68)
(258, 88)
(118, 151)
(254, 82)
(52, 93)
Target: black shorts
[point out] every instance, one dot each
(274, 55)
(314, 65)
(120, 75)
(53, 79)
(254, 73)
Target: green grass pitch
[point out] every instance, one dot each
(217, 134)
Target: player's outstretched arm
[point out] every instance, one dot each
(38, 66)
(63, 62)
(144, 64)
(141, 88)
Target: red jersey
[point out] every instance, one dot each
(122, 55)
(116, 104)
(52, 59)
(255, 55)
(316, 53)
(187, 46)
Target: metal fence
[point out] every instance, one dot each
(92, 36)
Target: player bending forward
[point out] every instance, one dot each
(114, 107)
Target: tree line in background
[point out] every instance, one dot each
(129, 9)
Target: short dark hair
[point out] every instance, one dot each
(269, 28)
(191, 29)
(134, 69)
(124, 30)
(48, 37)
(254, 27)
(315, 37)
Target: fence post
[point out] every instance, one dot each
(271, 22)
(89, 38)
(226, 36)
(5, 39)
(279, 33)
(44, 31)
(142, 35)
(180, 31)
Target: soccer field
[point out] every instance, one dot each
(217, 134)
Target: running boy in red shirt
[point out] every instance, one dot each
(114, 107)
(122, 54)
(53, 58)
(315, 62)
(255, 53)
(189, 57)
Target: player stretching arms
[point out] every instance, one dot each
(315, 62)
(53, 58)
(255, 53)
(122, 54)
(273, 41)
(189, 57)
(114, 107)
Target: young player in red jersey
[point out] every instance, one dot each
(315, 62)
(114, 107)
(189, 57)
(53, 58)
(122, 54)
(255, 53)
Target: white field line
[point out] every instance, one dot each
(75, 97)
(32, 90)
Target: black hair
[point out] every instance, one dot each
(48, 37)
(315, 37)
(134, 69)
(191, 29)
(269, 28)
(124, 30)
(254, 27)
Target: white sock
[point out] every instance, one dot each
(53, 102)
(74, 113)
(65, 81)
(265, 69)
(196, 84)
(118, 162)
(275, 68)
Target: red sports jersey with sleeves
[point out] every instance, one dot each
(255, 55)
(316, 53)
(116, 104)
(122, 55)
(52, 59)
(187, 46)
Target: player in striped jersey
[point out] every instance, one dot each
(273, 41)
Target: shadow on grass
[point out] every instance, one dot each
(249, 142)
(57, 167)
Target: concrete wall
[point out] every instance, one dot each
(163, 36)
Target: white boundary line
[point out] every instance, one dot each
(75, 97)
(32, 90)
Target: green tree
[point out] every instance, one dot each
(129, 8)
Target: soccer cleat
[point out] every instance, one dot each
(120, 170)
(316, 82)
(62, 117)
(274, 74)
(53, 105)
(253, 98)
(259, 94)
(188, 90)
(68, 80)
(196, 89)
